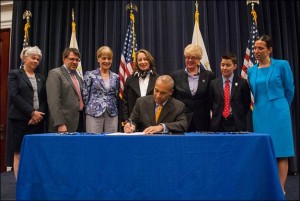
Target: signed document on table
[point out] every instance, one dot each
(136, 133)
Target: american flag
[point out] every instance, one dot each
(25, 41)
(128, 56)
(249, 59)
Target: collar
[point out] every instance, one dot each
(143, 74)
(69, 72)
(230, 78)
(156, 105)
(197, 74)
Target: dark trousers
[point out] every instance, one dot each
(228, 124)
(81, 122)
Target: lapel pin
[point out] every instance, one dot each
(203, 80)
(236, 84)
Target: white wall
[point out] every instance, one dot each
(6, 14)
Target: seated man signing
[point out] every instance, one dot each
(158, 113)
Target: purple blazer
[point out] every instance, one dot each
(96, 97)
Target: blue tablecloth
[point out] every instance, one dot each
(152, 167)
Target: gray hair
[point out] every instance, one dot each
(29, 51)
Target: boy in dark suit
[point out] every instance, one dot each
(229, 98)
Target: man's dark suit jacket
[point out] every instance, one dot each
(172, 114)
(240, 100)
(196, 109)
(20, 95)
(132, 92)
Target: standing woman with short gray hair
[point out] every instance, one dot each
(27, 100)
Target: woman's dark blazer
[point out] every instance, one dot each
(196, 107)
(20, 94)
(132, 92)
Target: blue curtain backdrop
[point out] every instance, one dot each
(162, 27)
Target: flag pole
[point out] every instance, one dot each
(132, 7)
(197, 13)
(197, 19)
(73, 26)
(198, 40)
(249, 59)
(26, 15)
(253, 12)
(74, 44)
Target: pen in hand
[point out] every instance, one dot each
(129, 127)
(130, 123)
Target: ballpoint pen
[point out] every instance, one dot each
(129, 121)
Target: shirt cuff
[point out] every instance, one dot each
(165, 130)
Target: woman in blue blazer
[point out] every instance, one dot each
(272, 85)
(27, 100)
(100, 93)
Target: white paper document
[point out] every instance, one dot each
(136, 133)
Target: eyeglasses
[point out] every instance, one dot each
(74, 59)
(191, 58)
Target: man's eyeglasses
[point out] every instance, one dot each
(74, 59)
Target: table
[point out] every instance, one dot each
(193, 166)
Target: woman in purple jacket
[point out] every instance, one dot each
(100, 93)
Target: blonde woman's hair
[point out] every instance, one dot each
(193, 49)
(104, 50)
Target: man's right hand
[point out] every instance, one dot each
(129, 128)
